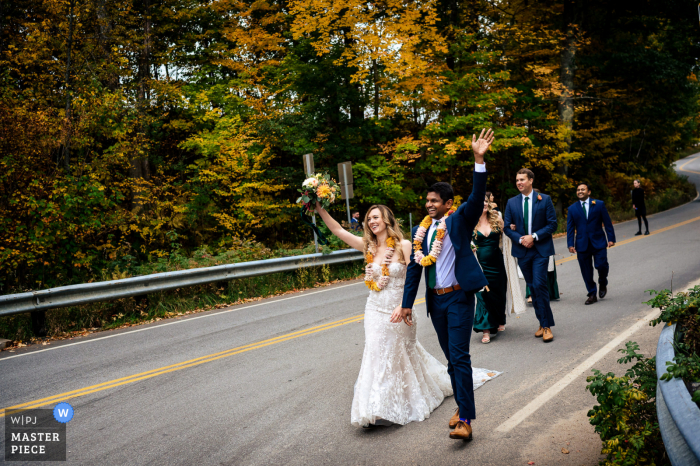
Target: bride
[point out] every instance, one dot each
(399, 381)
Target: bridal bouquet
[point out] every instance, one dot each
(319, 188)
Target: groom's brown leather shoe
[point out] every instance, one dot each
(547, 337)
(591, 299)
(454, 419)
(539, 332)
(463, 431)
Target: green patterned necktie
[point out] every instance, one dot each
(431, 268)
(526, 215)
(583, 204)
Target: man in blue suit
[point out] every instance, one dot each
(451, 282)
(585, 238)
(535, 221)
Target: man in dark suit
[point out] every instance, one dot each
(585, 238)
(535, 221)
(452, 279)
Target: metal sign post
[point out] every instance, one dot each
(309, 169)
(410, 223)
(346, 181)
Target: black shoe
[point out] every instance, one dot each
(639, 233)
(646, 232)
(602, 291)
(591, 299)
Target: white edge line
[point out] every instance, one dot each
(552, 391)
(189, 319)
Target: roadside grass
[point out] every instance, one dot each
(83, 320)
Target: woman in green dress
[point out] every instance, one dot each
(490, 315)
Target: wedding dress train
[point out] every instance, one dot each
(399, 380)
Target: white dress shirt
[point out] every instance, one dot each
(587, 202)
(530, 203)
(445, 264)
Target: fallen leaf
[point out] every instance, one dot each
(565, 451)
(530, 462)
(490, 374)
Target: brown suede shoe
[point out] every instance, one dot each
(454, 419)
(463, 431)
(547, 337)
(539, 332)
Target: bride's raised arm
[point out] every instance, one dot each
(348, 238)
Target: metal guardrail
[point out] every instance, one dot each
(679, 417)
(74, 295)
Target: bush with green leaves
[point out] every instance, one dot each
(682, 309)
(625, 417)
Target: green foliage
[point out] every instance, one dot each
(625, 417)
(683, 310)
(106, 315)
(164, 128)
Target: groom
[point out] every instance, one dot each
(535, 221)
(451, 282)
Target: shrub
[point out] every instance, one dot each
(625, 417)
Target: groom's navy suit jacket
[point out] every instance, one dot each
(460, 226)
(544, 224)
(582, 231)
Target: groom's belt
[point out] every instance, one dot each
(449, 289)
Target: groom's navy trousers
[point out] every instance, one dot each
(453, 318)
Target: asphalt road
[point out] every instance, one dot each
(272, 382)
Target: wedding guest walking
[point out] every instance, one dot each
(586, 238)
(355, 221)
(490, 314)
(552, 285)
(640, 208)
(535, 221)
(489, 197)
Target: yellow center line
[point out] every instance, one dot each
(175, 367)
(239, 349)
(181, 365)
(637, 238)
(682, 167)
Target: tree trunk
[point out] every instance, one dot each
(67, 123)
(104, 32)
(566, 79)
(139, 169)
(375, 78)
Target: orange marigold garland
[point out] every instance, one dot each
(431, 258)
(369, 257)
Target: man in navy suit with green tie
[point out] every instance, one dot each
(585, 237)
(534, 222)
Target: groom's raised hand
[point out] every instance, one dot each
(481, 145)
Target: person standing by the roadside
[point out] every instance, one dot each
(355, 224)
(640, 208)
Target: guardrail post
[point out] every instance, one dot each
(39, 323)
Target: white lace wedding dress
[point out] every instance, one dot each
(399, 380)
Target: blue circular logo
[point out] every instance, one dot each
(63, 412)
